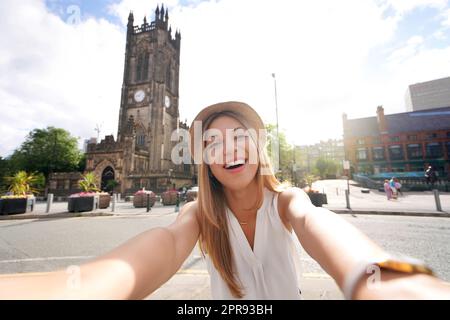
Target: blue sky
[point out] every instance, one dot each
(329, 56)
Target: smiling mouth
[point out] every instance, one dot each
(234, 165)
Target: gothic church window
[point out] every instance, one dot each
(140, 137)
(142, 66)
(169, 77)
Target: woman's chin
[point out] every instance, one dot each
(239, 184)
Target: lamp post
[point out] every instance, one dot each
(294, 167)
(276, 110)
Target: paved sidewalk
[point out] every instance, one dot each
(195, 286)
(59, 210)
(375, 202)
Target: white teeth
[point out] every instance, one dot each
(235, 163)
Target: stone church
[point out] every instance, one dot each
(141, 155)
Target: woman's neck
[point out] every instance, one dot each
(241, 201)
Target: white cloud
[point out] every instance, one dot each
(70, 76)
(405, 6)
(53, 73)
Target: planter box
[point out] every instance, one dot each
(104, 201)
(191, 196)
(140, 200)
(13, 206)
(318, 199)
(169, 198)
(81, 204)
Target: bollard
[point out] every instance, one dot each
(49, 202)
(337, 191)
(347, 199)
(118, 197)
(148, 202)
(96, 203)
(177, 205)
(114, 199)
(437, 200)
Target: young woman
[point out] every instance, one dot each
(243, 220)
(387, 189)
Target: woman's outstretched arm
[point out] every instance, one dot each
(339, 247)
(131, 271)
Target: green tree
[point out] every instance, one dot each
(321, 167)
(47, 150)
(285, 149)
(326, 166)
(5, 171)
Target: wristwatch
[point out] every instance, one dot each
(395, 263)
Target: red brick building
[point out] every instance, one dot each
(399, 142)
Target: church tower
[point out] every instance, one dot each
(149, 114)
(149, 101)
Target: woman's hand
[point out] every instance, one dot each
(394, 285)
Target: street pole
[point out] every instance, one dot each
(294, 169)
(276, 110)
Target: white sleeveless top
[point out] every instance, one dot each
(271, 270)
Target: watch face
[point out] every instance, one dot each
(167, 102)
(139, 96)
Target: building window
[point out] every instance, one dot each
(378, 153)
(432, 136)
(360, 141)
(396, 152)
(412, 137)
(395, 139)
(448, 134)
(142, 66)
(448, 149)
(361, 154)
(169, 77)
(140, 140)
(414, 151)
(376, 140)
(145, 70)
(434, 150)
(139, 67)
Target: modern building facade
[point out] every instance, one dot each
(428, 95)
(399, 142)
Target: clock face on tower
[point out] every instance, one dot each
(139, 96)
(167, 102)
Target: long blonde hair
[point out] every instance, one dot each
(214, 236)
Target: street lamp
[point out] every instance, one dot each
(276, 109)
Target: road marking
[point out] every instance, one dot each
(46, 259)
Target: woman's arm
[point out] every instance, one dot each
(338, 247)
(131, 271)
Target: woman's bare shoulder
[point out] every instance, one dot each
(290, 195)
(189, 209)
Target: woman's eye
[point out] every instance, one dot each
(241, 137)
(215, 144)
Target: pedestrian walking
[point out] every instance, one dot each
(398, 187)
(387, 189)
(430, 176)
(244, 221)
(393, 188)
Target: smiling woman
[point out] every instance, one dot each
(245, 221)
